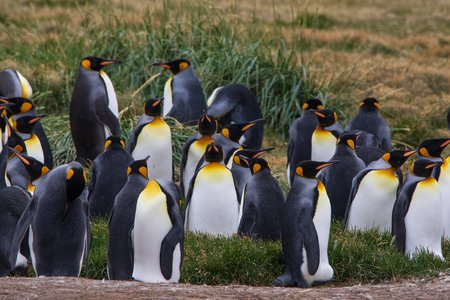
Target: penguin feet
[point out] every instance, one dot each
(284, 280)
(322, 282)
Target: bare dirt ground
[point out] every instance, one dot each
(79, 288)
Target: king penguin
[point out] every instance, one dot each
(194, 148)
(109, 175)
(121, 222)
(183, 95)
(261, 203)
(324, 137)
(93, 109)
(152, 136)
(417, 216)
(212, 203)
(305, 229)
(374, 191)
(13, 84)
(235, 103)
(338, 177)
(300, 133)
(370, 120)
(58, 222)
(158, 233)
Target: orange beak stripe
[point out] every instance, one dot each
(410, 153)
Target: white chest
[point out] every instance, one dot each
(34, 148)
(168, 98)
(323, 145)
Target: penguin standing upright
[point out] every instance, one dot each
(152, 136)
(93, 109)
(305, 229)
(261, 203)
(58, 222)
(194, 148)
(121, 222)
(300, 133)
(374, 191)
(369, 119)
(235, 103)
(109, 175)
(212, 204)
(324, 137)
(183, 95)
(13, 84)
(417, 216)
(338, 177)
(158, 233)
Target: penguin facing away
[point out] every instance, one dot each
(374, 192)
(417, 216)
(235, 103)
(324, 137)
(305, 229)
(370, 120)
(109, 175)
(212, 204)
(121, 222)
(93, 108)
(152, 137)
(300, 133)
(194, 148)
(338, 177)
(157, 234)
(183, 95)
(13, 84)
(261, 203)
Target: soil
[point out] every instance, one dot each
(80, 288)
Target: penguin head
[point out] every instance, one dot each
(175, 66)
(313, 103)
(397, 158)
(26, 123)
(207, 125)
(326, 117)
(254, 164)
(433, 147)
(18, 105)
(114, 142)
(370, 103)
(245, 154)
(153, 107)
(423, 167)
(213, 153)
(365, 139)
(93, 63)
(310, 168)
(75, 181)
(15, 141)
(348, 139)
(139, 167)
(35, 168)
(236, 130)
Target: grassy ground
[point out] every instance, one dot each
(285, 51)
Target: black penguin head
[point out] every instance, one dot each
(93, 63)
(313, 103)
(207, 125)
(153, 107)
(370, 104)
(245, 154)
(35, 168)
(5, 109)
(139, 167)
(326, 117)
(348, 139)
(236, 130)
(433, 147)
(310, 168)
(114, 142)
(365, 139)
(397, 158)
(423, 167)
(255, 164)
(213, 153)
(75, 181)
(175, 66)
(26, 124)
(15, 141)
(17, 105)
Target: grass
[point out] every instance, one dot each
(355, 257)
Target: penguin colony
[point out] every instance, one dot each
(351, 174)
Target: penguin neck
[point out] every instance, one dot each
(302, 183)
(342, 149)
(370, 109)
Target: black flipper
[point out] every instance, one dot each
(248, 219)
(401, 207)
(105, 116)
(310, 239)
(184, 161)
(87, 222)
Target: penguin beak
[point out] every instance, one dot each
(319, 114)
(258, 154)
(156, 103)
(327, 164)
(445, 144)
(162, 65)
(8, 126)
(430, 166)
(244, 160)
(409, 153)
(23, 159)
(107, 62)
(37, 118)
